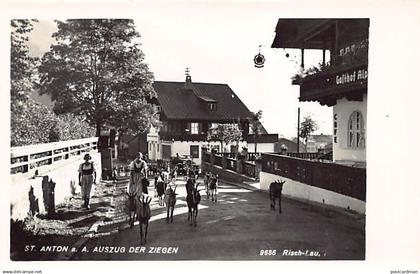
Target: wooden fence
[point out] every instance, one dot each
(27, 159)
(350, 181)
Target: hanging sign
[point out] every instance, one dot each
(351, 76)
(259, 60)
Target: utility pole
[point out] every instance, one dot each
(298, 129)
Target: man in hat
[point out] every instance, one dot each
(87, 176)
(138, 169)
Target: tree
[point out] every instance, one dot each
(69, 127)
(22, 65)
(30, 122)
(225, 133)
(307, 126)
(256, 126)
(96, 69)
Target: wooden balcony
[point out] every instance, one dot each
(335, 83)
(345, 76)
(183, 137)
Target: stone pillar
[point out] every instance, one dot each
(203, 152)
(48, 187)
(212, 158)
(33, 202)
(224, 161)
(258, 167)
(106, 161)
(239, 165)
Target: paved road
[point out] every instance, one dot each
(239, 226)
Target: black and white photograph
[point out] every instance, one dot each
(198, 131)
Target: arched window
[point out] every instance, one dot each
(356, 131)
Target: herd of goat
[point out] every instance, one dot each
(138, 206)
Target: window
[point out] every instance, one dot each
(194, 128)
(335, 127)
(194, 152)
(212, 106)
(356, 132)
(166, 152)
(158, 108)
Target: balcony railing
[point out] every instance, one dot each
(341, 179)
(227, 154)
(311, 155)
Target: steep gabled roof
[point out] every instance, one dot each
(191, 104)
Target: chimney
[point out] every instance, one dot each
(188, 82)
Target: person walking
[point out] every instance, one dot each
(87, 177)
(138, 169)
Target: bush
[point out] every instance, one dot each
(34, 123)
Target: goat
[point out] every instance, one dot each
(189, 186)
(193, 199)
(131, 207)
(144, 213)
(144, 184)
(170, 201)
(160, 188)
(213, 187)
(275, 190)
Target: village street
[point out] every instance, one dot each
(239, 226)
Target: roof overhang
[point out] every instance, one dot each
(301, 33)
(314, 33)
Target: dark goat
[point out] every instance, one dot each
(170, 201)
(189, 186)
(193, 199)
(144, 184)
(131, 207)
(213, 187)
(276, 188)
(144, 213)
(160, 189)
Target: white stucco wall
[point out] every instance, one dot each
(153, 145)
(261, 147)
(303, 191)
(343, 109)
(183, 148)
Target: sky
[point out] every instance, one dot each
(218, 43)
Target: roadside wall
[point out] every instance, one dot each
(62, 175)
(311, 193)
